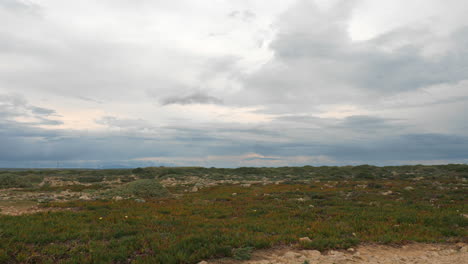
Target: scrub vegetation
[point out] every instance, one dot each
(185, 215)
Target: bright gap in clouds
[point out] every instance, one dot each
(232, 83)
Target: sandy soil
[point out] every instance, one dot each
(25, 207)
(412, 253)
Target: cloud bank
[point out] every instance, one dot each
(232, 83)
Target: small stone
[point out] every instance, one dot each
(387, 192)
(305, 239)
(351, 250)
(203, 262)
(336, 253)
(357, 257)
(291, 254)
(85, 197)
(312, 253)
(234, 194)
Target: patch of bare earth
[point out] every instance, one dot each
(25, 207)
(412, 253)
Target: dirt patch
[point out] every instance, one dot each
(25, 207)
(412, 253)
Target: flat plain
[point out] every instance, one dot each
(193, 214)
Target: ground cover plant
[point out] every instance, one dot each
(335, 207)
(145, 188)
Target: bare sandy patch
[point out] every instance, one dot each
(413, 253)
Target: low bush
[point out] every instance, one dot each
(145, 188)
(244, 253)
(13, 181)
(90, 179)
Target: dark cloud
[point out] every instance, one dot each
(369, 124)
(407, 147)
(315, 60)
(26, 145)
(41, 111)
(14, 106)
(196, 98)
(305, 119)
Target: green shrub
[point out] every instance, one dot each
(244, 253)
(33, 178)
(127, 178)
(13, 181)
(141, 188)
(89, 179)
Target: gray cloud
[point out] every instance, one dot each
(196, 98)
(112, 121)
(244, 15)
(370, 124)
(19, 6)
(316, 61)
(41, 111)
(281, 107)
(25, 144)
(14, 106)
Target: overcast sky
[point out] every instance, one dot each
(101, 83)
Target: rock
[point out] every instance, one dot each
(312, 253)
(246, 185)
(351, 250)
(305, 239)
(409, 188)
(387, 192)
(234, 194)
(464, 249)
(336, 254)
(140, 200)
(291, 254)
(203, 262)
(117, 198)
(357, 257)
(85, 197)
(447, 252)
(194, 189)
